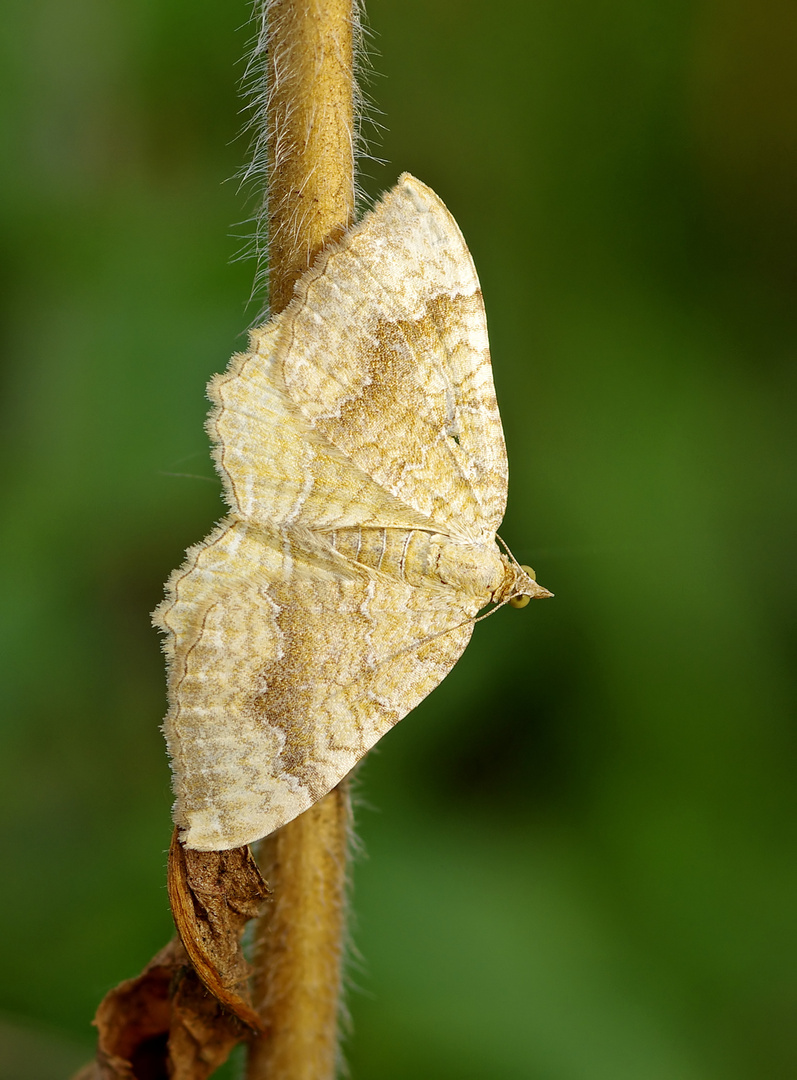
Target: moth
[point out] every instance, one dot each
(363, 461)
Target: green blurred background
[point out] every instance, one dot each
(580, 850)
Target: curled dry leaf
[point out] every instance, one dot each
(162, 1023)
(213, 895)
(188, 1008)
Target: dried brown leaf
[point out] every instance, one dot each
(202, 1033)
(213, 895)
(163, 1023)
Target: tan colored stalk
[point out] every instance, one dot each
(299, 941)
(310, 105)
(299, 945)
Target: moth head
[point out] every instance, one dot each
(525, 587)
(520, 582)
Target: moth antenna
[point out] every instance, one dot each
(432, 637)
(188, 476)
(518, 566)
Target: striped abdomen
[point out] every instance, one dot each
(424, 558)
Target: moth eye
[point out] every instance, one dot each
(521, 601)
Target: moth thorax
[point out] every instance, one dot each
(474, 569)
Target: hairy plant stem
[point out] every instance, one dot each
(310, 124)
(310, 202)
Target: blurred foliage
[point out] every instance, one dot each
(583, 861)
